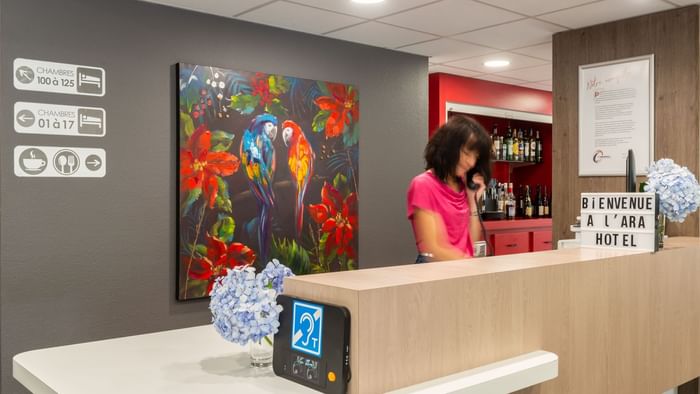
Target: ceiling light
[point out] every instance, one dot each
(496, 63)
(367, 1)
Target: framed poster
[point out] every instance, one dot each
(615, 113)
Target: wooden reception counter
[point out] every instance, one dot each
(620, 321)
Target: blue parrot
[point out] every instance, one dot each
(258, 158)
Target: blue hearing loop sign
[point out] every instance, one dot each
(307, 328)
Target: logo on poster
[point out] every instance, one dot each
(598, 155)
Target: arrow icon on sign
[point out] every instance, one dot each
(25, 118)
(93, 162)
(24, 74)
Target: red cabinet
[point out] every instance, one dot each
(509, 243)
(519, 236)
(541, 240)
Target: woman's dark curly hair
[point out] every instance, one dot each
(443, 149)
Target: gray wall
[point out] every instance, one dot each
(86, 259)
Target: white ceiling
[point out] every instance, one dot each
(457, 35)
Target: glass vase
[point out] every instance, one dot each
(261, 352)
(661, 230)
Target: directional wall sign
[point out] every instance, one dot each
(38, 118)
(56, 161)
(42, 76)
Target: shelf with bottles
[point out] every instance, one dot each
(501, 201)
(515, 144)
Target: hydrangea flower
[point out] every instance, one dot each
(244, 305)
(273, 275)
(677, 189)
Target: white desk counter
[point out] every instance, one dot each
(192, 360)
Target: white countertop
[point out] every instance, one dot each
(192, 360)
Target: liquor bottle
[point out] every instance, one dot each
(526, 154)
(516, 145)
(528, 203)
(509, 144)
(539, 148)
(501, 155)
(496, 143)
(545, 202)
(510, 203)
(520, 203)
(533, 148)
(539, 203)
(501, 198)
(521, 146)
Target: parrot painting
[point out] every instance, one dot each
(301, 165)
(258, 159)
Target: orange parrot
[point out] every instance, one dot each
(301, 165)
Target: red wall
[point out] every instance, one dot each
(443, 88)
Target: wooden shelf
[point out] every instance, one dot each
(517, 163)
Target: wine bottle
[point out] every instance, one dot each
(520, 208)
(539, 147)
(509, 144)
(504, 148)
(539, 203)
(501, 198)
(545, 203)
(528, 203)
(526, 154)
(496, 142)
(510, 202)
(516, 145)
(521, 146)
(533, 148)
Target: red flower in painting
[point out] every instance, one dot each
(343, 108)
(338, 219)
(199, 167)
(261, 88)
(219, 259)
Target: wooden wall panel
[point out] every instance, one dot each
(673, 38)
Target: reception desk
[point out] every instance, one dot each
(620, 321)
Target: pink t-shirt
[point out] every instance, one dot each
(431, 194)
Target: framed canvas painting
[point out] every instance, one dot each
(268, 169)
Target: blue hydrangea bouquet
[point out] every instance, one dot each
(677, 189)
(244, 305)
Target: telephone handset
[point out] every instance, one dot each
(470, 177)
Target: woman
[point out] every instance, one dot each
(442, 201)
